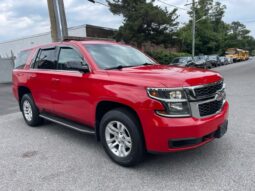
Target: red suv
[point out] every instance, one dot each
(120, 95)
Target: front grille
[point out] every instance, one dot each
(208, 90)
(210, 108)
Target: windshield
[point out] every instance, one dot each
(231, 51)
(213, 57)
(179, 60)
(110, 56)
(197, 58)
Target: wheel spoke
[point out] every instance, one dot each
(128, 143)
(110, 140)
(119, 150)
(112, 129)
(124, 149)
(127, 137)
(120, 126)
(113, 145)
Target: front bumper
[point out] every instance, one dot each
(161, 132)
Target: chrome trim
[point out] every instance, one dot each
(172, 116)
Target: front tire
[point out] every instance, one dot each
(30, 111)
(121, 137)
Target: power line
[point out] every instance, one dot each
(173, 5)
(98, 2)
(102, 3)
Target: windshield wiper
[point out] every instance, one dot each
(119, 67)
(147, 64)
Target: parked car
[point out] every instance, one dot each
(223, 61)
(214, 60)
(230, 60)
(202, 62)
(182, 61)
(113, 91)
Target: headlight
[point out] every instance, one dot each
(174, 101)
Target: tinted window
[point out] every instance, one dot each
(176, 61)
(46, 59)
(109, 56)
(68, 55)
(21, 60)
(183, 60)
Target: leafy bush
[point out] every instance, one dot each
(165, 57)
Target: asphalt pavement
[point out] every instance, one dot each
(52, 157)
(8, 103)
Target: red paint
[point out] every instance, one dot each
(75, 95)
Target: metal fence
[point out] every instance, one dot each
(6, 67)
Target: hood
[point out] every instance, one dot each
(165, 76)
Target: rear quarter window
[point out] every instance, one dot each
(22, 58)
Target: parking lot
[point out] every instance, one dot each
(8, 104)
(52, 157)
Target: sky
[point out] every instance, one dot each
(20, 18)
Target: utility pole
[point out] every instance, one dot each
(53, 21)
(57, 20)
(62, 15)
(58, 24)
(193, 29)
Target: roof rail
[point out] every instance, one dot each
(76, 38)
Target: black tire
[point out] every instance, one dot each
(35, 118)
(131, 123)
(210, 66)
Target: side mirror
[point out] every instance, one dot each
(78, 66)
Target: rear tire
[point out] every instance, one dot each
(30, 111)
(121, 137)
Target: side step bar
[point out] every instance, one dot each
(67, 123)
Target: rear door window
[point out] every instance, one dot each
(22, 58)
(46, 59)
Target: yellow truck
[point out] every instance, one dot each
(237, 54)
(247, 55)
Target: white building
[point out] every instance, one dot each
(15, 46)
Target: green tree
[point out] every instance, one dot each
(144, 22)
(238, 37)
(213, 35)
(210, 31)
